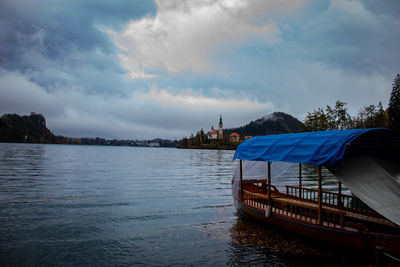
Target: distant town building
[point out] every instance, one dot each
(234, 137)
(213, 134)
(220, 129)
(247, 137)
(154, 144)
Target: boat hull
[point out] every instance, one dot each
(360, 240)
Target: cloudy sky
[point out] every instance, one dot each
(141, 69)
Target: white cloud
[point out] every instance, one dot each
(191, 100)
(184, 35)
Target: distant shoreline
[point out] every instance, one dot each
(32, 129)
(72, 144)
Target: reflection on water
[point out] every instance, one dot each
(256, 243)
(248, 232)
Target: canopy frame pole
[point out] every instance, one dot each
(269, 182)
(319, 195)
(241, 180)
(300, 182)
(339, 201)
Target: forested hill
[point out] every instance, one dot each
(29, 129)
(274, 123)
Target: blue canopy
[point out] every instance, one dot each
(326, 148)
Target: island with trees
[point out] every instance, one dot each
(277, 122)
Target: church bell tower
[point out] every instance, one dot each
(220, 129)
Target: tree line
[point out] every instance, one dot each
(371, 116)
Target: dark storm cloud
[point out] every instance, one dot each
(387, 7)
(354, 36)
(61, 43)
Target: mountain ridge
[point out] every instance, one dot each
(274, 123)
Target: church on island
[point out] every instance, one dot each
(214, 139)
(214, 134)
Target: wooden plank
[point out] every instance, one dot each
(269, 183)
(241, 180)
(319, 194)
(339, 197)
(300, 182)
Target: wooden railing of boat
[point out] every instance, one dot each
(332, 199)
(301, 204)
(294, 209)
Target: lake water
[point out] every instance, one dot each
(123, 206)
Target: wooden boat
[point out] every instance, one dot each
(334, 217)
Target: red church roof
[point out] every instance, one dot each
(213, 131)
(234, 134)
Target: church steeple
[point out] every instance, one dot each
(220, 129)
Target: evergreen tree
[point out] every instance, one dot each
(370, 112)
(394, 105)
(380, 118)
(330, 118)
(334, 118)
(371, 116)
(202, 136)
(343, 119)
(318, 120)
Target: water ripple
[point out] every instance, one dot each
(95, 205)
